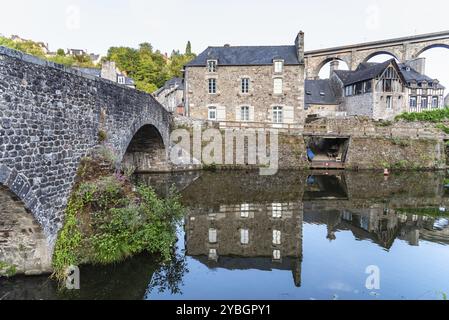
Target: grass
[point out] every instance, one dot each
(7, 270)
(425, 116)
(108, 220)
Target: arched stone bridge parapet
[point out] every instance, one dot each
(51, 117)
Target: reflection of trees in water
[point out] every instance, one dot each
(169, 277)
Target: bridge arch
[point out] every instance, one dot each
(24, 244)
(315, 64)
(146, 149)
(428, 47)
(379, 53)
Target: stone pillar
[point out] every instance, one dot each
(419, 64)
(334, 66)
(109, 71)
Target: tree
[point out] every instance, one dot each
(189, 48)
(60, 52)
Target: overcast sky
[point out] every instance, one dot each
(96, 25)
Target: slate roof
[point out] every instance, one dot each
(247, 55)
(411, 74)
(172, 82)
(319, 92)
(369, 70)
(363, 73)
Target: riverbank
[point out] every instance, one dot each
(108, 219)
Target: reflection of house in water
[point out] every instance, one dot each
(375, 222)
(248, 236)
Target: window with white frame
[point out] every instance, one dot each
(212, 113)
(278, 66)
(277, 237)
(212, 86)
(276, 209)
(244, 210)
(413, 102)
(278, 86)
(244, 113)
(121, 79)
(424, 103)
(389, 102)
(212, 66)
(276, 254)
(244, 236)
(435, 102)
(245, 85)
(212, 235)
(278, 116)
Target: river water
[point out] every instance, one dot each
(295, 235)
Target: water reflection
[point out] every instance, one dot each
(243, 222)
(290, 236)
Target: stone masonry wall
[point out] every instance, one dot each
(50, 117)
(260, 97)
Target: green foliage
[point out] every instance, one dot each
(108, 220)
(385, 123)
(33, 48)
(69, 240)
(443, 128)
(29, 47)
(210, 167)
(189, 48)
(425, 116)
(148, 68)
(401, 142)
(102, 136)
(7, 269)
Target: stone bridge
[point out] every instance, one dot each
(51, 117)
(403, 49)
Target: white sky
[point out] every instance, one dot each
(96, 25)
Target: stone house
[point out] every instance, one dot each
(171, 95)
(376, 90)
(251, 85)
(110, 72)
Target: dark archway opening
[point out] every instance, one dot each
(146, 151)
(23, 244)
(327, 152)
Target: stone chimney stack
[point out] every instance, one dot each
(109, 71)
(334, 66)
(299, 44)
(419, 64)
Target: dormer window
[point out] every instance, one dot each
(121, 79)
(212, 66)
(278, 66)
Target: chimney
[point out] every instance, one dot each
(419, 64)
(334, 66)
(299, 44)
(109, 71)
